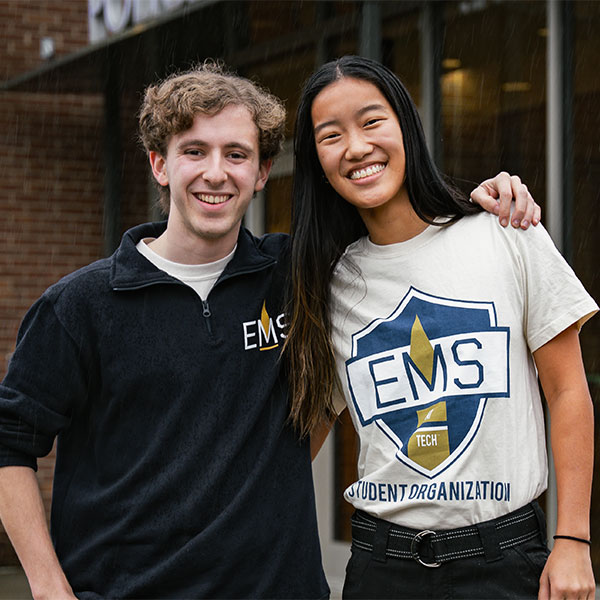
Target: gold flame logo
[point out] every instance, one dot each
(421, 350)
(265, 321)
(429, 445)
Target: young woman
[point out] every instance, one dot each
(434, 322)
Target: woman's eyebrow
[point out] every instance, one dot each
(359, 113)
(370, 107)
(325, 124)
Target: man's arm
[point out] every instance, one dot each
(23, 517)
(497, 194)
(568, 572)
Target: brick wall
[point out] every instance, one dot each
(51, 197)
(25, 23)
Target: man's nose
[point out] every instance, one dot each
(215, 172)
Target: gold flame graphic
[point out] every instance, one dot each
(429, 444)
(421, 350)
(437, 412)
(265, 321)
(264, 316)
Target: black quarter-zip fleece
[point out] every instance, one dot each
(176, 475)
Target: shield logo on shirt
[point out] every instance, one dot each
(423, 375)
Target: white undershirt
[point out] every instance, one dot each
(201, 278)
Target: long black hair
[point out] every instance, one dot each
(324, 224)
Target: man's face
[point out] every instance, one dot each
(212, 170)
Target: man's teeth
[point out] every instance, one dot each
(213, 199)
(366, 172)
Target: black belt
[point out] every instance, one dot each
(432, 548)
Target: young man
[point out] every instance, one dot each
(158, 371)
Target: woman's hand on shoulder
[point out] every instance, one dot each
(496, 195)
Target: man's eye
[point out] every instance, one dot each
(193, 152)
(237, 155)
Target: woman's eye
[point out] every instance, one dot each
(329, 136)
(373, 121)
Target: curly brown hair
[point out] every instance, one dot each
(170, 106)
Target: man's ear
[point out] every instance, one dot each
(263, 174)
(159, 167)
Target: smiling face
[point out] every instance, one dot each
(360, 146)
(212, 170)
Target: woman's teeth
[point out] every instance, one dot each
(366, 172)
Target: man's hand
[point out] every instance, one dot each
(54, 594)
(24, 519)
(496, 195)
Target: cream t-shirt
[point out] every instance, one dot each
(433, 340)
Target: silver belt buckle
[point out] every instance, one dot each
(416, 543)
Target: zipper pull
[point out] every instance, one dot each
(205, 308)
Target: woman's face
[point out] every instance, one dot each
(359, 144)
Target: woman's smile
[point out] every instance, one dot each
(363, 173)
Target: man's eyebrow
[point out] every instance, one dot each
(359, 113)
(249, 149)
(229, 146)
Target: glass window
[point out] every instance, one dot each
(270, 19)
(340, 45)
(279, 204)
(494, 92)
(401, 47)
(585, 242)
(284, 77)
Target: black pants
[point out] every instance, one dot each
(515, 574)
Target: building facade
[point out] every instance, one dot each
(499, 84)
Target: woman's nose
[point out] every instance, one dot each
(358, 146)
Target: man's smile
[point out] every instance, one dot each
(213, 198)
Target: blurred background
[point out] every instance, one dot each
(500, 85)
